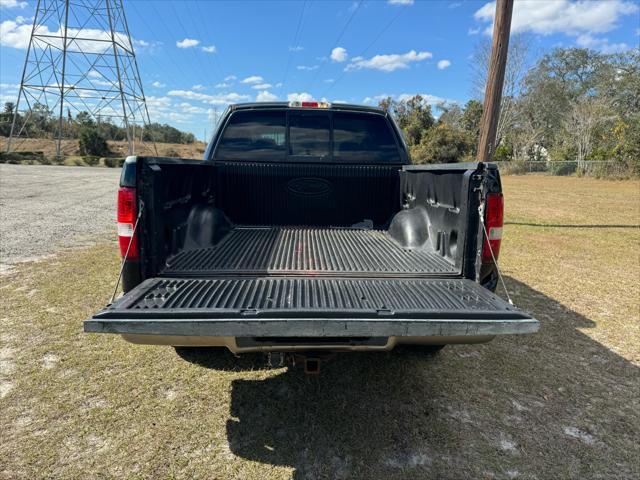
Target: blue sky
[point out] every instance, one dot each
(195, 57)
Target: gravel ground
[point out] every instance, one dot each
(45, 208)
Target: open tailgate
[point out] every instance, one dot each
(310, 307)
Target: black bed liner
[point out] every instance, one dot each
(277, 306)
(308, 251)
(268, 294)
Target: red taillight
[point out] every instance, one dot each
(127, 214)
(493, 219)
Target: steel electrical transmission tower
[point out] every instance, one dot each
(80, 58)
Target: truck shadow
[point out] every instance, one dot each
(535, 404)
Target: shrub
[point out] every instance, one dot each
(172, 153)
(23, 157)
(502, 154)
(91, 160)
(442, 144)
(562, 168)
(515, 167)
(113, 162)
(92, 142)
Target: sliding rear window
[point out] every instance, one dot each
(293, 135)
(363, 138)
(310, 136)
(254, 135)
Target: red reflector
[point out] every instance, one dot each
(494, 218)
(310, 104)
(127, 213)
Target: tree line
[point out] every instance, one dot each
(573, 104)
(40, 122)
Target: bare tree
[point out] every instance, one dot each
(517, 66)
(581, 121)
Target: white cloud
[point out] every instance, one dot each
(299, 97)
(198, 87)
(442, 64)
(388, 63)
(159, 106)
(159, 101)
(187, 43)
(600, 44)
(307, 68)
(230, 78)
(223, 85)
(219, 99)
(158, 84)
(474, 31)
(329, 80)
(429, 99)
(210, 49)
(16, 34)
(339, 54)
(265, 96)
(400, 2)
(297, 48)
(253, 79)
(188, 108)
(546, 17)
(8, 97)
(12, 4)
(261, 86)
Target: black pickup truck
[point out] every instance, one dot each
(306, 228)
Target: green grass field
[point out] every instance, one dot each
(563, 403)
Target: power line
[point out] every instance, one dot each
(296, 39)
(198, 59)
(163, 69)
(335, 44)
(364, 52)
(166, 27)
(216, 54)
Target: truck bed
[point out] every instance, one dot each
(306, 251)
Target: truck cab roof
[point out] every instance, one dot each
(330, 106)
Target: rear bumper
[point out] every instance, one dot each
(240, 345)
(312, 327)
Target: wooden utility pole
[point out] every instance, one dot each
(495, 80)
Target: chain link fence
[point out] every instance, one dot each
(600, 169)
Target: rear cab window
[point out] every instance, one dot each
(259, 135)
(294, 135)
